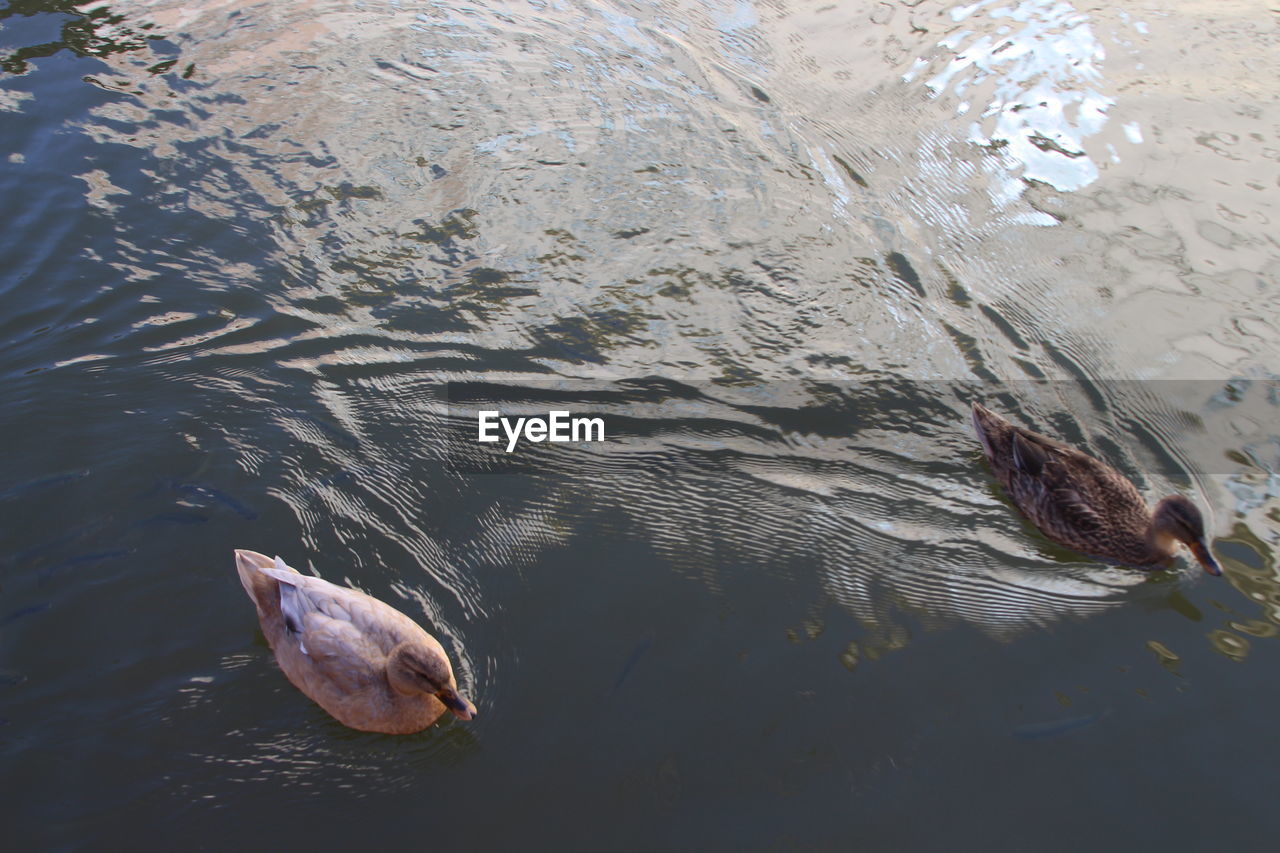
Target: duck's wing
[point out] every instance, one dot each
(1060, 480)
(1029, 456)
(330, 626)
(1072, 508)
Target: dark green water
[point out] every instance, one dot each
(262, 265)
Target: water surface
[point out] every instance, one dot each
(262, 265)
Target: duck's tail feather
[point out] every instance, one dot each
(294, 604)
(264, 590)
(988, 425)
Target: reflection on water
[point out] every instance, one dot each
(270, 261)
(1036, 64)
(87, 30)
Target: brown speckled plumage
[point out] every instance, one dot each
(363, 661)
(1085, 504)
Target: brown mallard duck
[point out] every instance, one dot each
(1085, 504)
(363, 661)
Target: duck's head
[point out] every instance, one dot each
(416, 667)
(1178, 517)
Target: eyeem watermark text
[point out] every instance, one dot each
(557, 426)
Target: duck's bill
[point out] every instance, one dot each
(461, 708)
(1201, 552)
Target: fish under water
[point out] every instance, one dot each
(1059, 727)
(633, 659)
(41, 483)
(210, 494)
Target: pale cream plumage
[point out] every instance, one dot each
(363, 661)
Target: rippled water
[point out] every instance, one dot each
(263, 264)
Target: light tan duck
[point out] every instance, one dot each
(1085, 504)
(363, 661)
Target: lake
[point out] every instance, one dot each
(265, 266)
